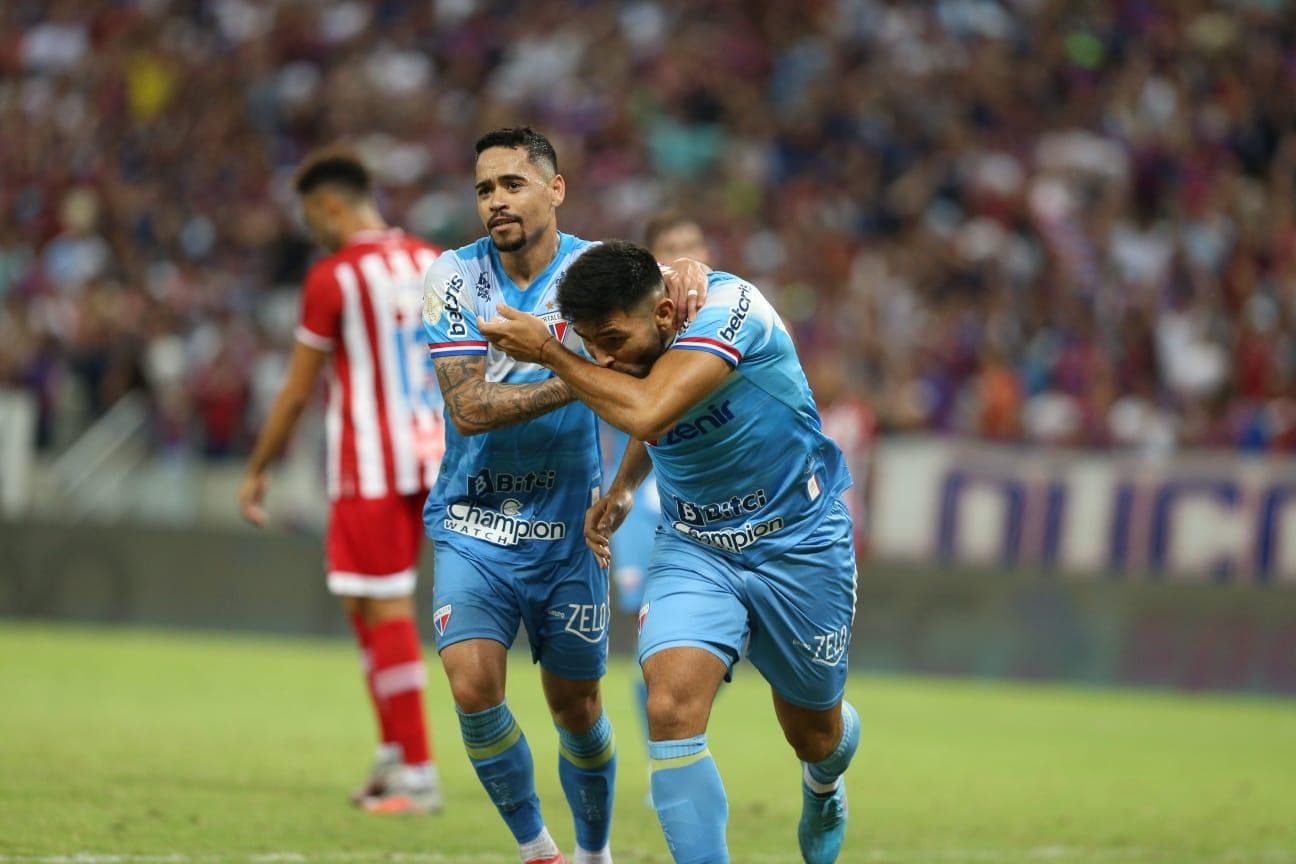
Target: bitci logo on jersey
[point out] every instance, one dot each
(440, 618)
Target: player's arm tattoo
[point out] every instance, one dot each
(477, 406)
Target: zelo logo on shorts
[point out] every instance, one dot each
(501, 527)
(586, 621)
(829, 648)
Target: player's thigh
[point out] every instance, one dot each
(372, 547)
(566, 616)
(813, 733)
(691, 599)
(471, 599)
(803, 607)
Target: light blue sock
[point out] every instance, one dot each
(690, 800)
(826, 772)
(499, 753)
(587, 770)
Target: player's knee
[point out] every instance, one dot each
(577, 712)
(675, 713)
(813, 742)
(474, 693)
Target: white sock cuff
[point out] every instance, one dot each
(584, 856)
(542, 846)
(815, 786)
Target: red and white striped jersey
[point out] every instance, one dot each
(364, 303)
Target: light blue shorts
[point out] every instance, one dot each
(562, 604)
(791, 615)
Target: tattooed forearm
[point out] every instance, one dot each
(476, 406)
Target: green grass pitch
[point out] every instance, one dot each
(130, 746)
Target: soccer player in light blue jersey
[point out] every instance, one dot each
(521, 467)
(670, 236)
(754, 550)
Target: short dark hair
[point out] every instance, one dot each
(613, 276)
(538, 149)
(333, 166)
(664, 221)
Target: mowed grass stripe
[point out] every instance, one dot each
(231, 747)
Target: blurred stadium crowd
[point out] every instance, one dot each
(1023, 220)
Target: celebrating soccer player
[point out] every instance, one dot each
(362, 306)
(521, 467)
(755, 548)
(670, 235)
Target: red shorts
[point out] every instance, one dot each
(373, 545)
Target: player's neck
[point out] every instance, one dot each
(524, 265)
(362, 223)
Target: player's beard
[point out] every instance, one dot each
(511, 245)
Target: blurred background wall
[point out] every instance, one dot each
(1039, 258)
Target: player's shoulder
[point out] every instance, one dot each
(732, 296)
(324, 271)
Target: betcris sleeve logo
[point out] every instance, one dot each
(738, 313)
(453, 292)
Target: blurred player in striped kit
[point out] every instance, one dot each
(669, 235)
(362, 307)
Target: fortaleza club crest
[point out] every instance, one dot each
(440, 618)
(643, 614)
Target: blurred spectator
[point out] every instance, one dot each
(1038, 221)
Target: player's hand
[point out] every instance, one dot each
(251, 498)
(518, 334)
(602, 520)
(686, 284)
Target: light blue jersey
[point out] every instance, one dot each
(506, 515)
(754, 551)
(748, 471)
(519, 492)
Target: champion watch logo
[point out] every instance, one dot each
(440, 618)
(643, 615)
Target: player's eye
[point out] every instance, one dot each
(514, 185)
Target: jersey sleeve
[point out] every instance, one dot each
(320, 326)
(733, 323)
(450, 329)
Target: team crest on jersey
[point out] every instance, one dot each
(643, 616)
(440, 618)
(559, 330)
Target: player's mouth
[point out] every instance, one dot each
(500, 221)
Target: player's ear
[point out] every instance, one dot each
(664, 313)
(557, 189)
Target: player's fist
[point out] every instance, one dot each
(602, 520)
(251, 497)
